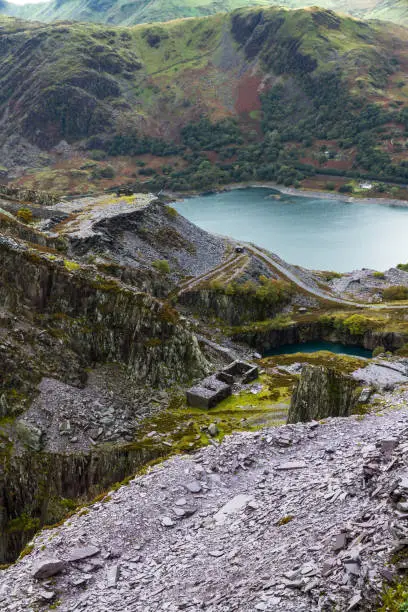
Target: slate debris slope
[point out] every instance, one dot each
(252, 536)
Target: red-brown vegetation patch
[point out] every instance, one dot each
(339, 164)
(248, 95)
(317, 183)
(212, 156)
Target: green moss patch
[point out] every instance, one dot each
(395, 598)
(344, 364)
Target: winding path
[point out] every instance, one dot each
(286, 273)
(191, 283)
(312, 290)
(299, 282)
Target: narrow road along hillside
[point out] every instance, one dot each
(312, 290)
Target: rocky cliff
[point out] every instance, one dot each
(322, 392)
(106, 349)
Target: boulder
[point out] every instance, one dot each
(30, 435)
(83, 552)
(46, 567)
(213, 430)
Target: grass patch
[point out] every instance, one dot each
(71, 265)
(343, 364)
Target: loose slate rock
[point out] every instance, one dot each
(355, 601)
(46, 596)
(179, 512)
(166, 521)
(194, 486)
(112, 576)
(44, 568)
(352, 568)
(292, 465)
(340, 542)
(234, 505)
(213, 430)
(77, 554)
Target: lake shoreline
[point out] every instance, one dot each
(305, 193)
(325, 233)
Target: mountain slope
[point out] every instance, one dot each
(284, 87)
(393, 10)
(125, 12)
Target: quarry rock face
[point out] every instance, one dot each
(322, 392)
(62, 319)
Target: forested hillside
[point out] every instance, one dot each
(256, 94)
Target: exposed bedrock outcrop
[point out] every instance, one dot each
(101, 319)
(322, 392)
(59, 318)
(231, 309)
(34, 486)
(264, 339)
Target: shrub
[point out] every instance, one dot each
(398, 292)
(403, 267)
(24, 522)
(217, 286)
(285, 520)
(378, 274)
(172, 212)
(403, 351)
(71, 265)
(378, 351)
(25, 215)
(147, 171)
(269, 291)
(346, 189)
(357, 324)
(97, 154)
(330, 275)
(162, 265)
(108, 172)
(168, 314)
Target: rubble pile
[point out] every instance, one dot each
(298, 518)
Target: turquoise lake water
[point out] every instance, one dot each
(314, 233)
(312, 347)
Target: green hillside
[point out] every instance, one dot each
(192, 103)
(125, 12)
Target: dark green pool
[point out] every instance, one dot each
(313, 347)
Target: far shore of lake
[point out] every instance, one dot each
(324, 195)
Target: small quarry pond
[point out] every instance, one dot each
(316, 233)
(313, 347)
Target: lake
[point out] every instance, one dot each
(313, 347)
(315, 233)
